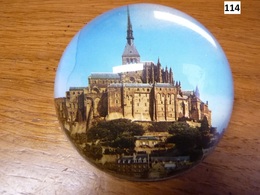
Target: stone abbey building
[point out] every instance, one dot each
(136, 90)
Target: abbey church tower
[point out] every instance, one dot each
(130, 54)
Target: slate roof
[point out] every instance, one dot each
(130, 51)
(188, 93)
(77, 88)
(115, 85)
(100, 75)
(163, 85)
(137, 85)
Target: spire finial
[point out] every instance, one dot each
(130, 37)
(130, 54)
(197, 93)
(158, 62)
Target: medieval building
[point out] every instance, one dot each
(140, 91)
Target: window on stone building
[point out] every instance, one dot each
(132, 79)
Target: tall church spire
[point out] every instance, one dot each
(197, 93)
(130, 36)
(130, 54)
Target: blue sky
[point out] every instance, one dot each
(180, 42)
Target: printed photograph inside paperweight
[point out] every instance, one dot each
(139, 117)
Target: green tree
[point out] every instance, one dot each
(94, 151)
(178, 126)
(205, 133)
(187, 139)
(124, 142)
(159, 126)
(97, 132)
(204, 125)
(115, 132)
(205, 140)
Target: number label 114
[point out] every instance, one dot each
(232, 7)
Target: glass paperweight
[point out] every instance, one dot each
(144, 92)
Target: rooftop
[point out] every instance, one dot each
(163, 85)
(130, 51)
(137, 85)
(106, 75)
(147, 138)
(76, 88)
(188, 93)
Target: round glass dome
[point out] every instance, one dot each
(144, 92)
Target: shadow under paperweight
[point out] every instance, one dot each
(144, 92)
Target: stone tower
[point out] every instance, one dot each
(130, 54)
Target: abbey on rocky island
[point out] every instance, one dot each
(136, 90)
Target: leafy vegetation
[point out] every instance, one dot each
(190, 140)
(116, 133)
(187, 139)
(93, 151)
(159, 126)
(178, 126)
(118, 137)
